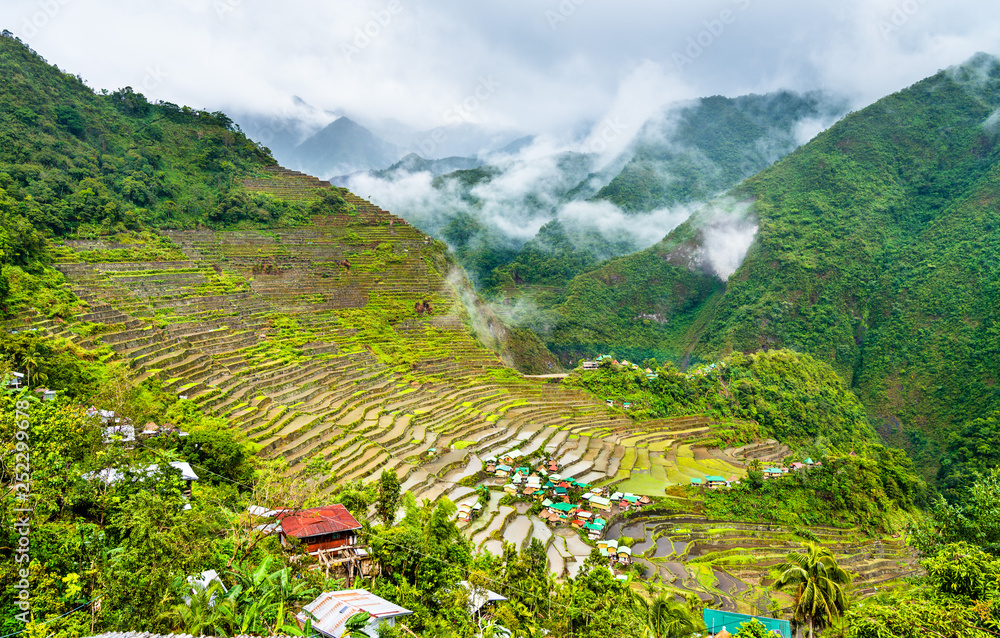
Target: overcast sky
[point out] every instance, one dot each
(533, 65)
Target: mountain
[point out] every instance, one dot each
(281, 131)
(693, 152)
(684, 155)
(878, 251)
(343, 146)
(413, 163)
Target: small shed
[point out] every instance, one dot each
(479, 597)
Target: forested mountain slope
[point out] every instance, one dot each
(878, 251)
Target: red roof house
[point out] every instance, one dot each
(320, 528)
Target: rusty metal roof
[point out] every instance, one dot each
(331, 610)
(317, 521)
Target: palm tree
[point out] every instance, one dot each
(664, 617)
(819, 584)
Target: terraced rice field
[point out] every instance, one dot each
(729, 563)
(311, 358)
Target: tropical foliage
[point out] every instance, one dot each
(818, 584)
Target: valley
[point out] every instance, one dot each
(232, 391)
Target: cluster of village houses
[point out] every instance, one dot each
(771, 472)
(596, 363)
(589, 511)
(12, 384)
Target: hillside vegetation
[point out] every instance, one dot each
(796, 400)
(78, 163)
(877, 252)
(686, 153)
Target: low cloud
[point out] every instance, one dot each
(726, 229)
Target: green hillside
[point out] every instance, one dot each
(878, 252)
(697, 151)
(683, 154)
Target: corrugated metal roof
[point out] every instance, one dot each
(111, 475)
(328, 519)
(332, 610)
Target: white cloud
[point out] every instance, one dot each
(417, 62)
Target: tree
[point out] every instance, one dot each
(203, 610)
(664, 617)
(755, 629)
(819, 584)
(388, 497)
(974, 519)
(755, 474)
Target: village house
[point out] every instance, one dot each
(600, 503)
(503, 471)
(480, 597)
(111, 475)
(608, 548)
(715, 482)
(510, 458)
(625, 555)
(590, 365)
(320, 528)
(464, 513)
(772, 472)
(490, 465)
(595, 528)
(331, 611)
